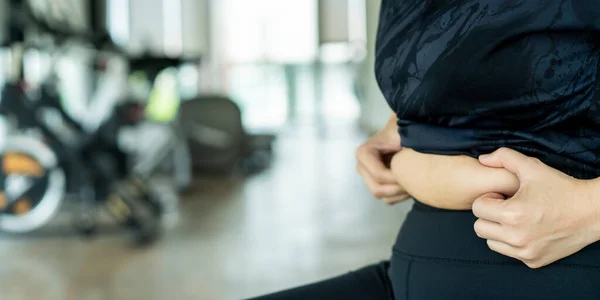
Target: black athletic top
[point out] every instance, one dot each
(470, 76)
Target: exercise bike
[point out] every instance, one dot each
(48, 155)
(160, 107)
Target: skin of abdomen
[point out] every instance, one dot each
(449, 182)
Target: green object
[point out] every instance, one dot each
(163, 103)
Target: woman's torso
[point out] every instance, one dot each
(467, 77)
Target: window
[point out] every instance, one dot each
(172, 32)
(118, 20)
(269, 30)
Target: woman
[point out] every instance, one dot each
(464, 79)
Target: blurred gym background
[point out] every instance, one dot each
(261, 105)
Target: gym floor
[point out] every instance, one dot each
(306, 218)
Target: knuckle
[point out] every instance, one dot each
(528, 255)
(378, 193)
(514, 215)
(379, 177)
(389, 201)
(477, 227)
(361, 150)
(493, 246)
(371, 187)
(534, 264)
(476, 208)
(513, 218)
(519, 240)
(399, 191)
(502, 151)
(359, 153)
(361, 171)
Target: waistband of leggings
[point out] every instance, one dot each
(441, 234)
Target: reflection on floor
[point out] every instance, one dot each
(307, 218)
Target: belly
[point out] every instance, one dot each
(449, 182)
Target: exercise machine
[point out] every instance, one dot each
(47, 154)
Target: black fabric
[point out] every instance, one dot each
(369, 282)
(449, 235)
(470, 76)
(437, 255)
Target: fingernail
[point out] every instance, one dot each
(484, 156)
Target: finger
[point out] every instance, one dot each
(513, 161)
(503, 248)
(371, 162)
(490, 230)
(504, 182)
(489, 207)
(396, 199)
(384, 147)
(377, 189)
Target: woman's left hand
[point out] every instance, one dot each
(550, 217)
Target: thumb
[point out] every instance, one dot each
(511, 160)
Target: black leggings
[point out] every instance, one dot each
(437, 255)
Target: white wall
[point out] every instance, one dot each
(341, 21)
(146, 25)
(250, 31)
(187, 26)
(196, 26)
(375, 110)
(333, 21)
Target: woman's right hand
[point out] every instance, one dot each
(373, 164)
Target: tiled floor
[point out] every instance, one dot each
(307, 218)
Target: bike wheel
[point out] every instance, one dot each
(32, 185)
